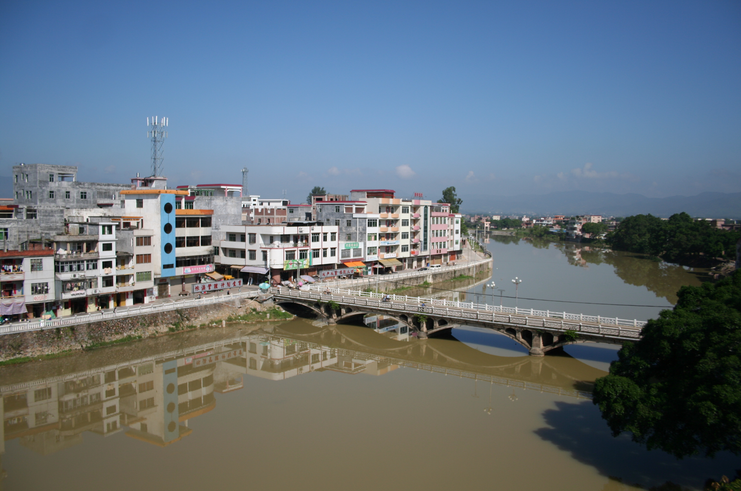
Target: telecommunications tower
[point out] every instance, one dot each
(157, 134)
(244, 181)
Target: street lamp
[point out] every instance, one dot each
(517, 282)
(501, 292)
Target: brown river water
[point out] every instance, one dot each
(299, 405)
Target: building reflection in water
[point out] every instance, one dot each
(152, 399)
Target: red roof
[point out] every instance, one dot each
(31, 253)
(338, 202)
(218, 185)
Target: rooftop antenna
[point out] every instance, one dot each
(245, 171)
(157, 134)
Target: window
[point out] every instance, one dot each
(333, 252)
(405, 235)
(107, 264)
(107, 246)
(336, 209)
(290, 255)
(372, 222)
(372, 237)
(31, 213)
(315, 237)
(140, 203)
(143, 276)
(92, 265)
(241, 237)
(192, 241)
(231, 237)
(348, 236)
(303, 254)
(107, 229)
(42, 394)
(334, 236)
(146, 404)
(146, 386)
(345, 253)
(51, 194)
(372, 251)
(405, 223)
(188, 205)
(253, 238)
(67, 195)
(107, 281)
(324, 236)
(324, 252)
(83, 194)
(51, 177)
(143, 258)
(205, 240)
(404, 248)
(315, 253)
(179, 242)
(143, 241)
(405, 210)
(349, 223)
(37, 265)
(253, 255)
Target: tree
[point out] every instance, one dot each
(679, 387)
(594, 228)
(449, 196)
(316, 191)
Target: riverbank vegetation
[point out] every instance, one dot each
(681, 239)
(254, 315)
(677, 389)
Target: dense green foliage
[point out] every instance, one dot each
(594, 228)
(316, 191)
(679, 388)
(507, 223)
(675, 239)
(449, 196)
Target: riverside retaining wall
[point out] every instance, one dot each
(52, 341)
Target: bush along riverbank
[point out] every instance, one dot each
(50, 343)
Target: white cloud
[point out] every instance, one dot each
(470, 177)
(588, 173)
(405, 172)
(333, 171)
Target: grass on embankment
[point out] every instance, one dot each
(255, 315)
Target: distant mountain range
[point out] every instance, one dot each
(707, 205)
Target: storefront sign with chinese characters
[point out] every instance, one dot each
(212, 286)
(204, 268)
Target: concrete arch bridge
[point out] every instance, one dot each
(539, 331)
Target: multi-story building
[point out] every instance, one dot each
(282, 252)
(181, 244)
(42, 195)
(27, 282)
(259, 211)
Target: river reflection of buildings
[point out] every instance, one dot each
(152, 399)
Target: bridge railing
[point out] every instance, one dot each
(431, 303)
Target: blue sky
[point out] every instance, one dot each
(491, 97)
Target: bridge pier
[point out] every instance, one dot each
(536, 346)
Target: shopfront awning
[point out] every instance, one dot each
(254, 269)
(390, 262)
(13, 308)
(215, 276)
(308, 278)
(354, 264)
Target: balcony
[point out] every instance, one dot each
(12, 276)
(415, 240)
(415, 228)
(383, 229)
(415, 215)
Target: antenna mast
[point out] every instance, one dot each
(245, 170)
(157, 134)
